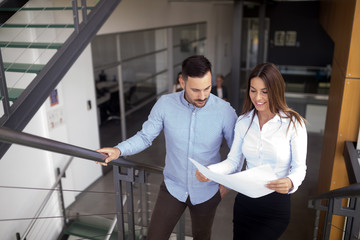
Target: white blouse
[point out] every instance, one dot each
(220, 93)
(284, 150)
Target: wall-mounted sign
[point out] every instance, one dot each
(55, 118)
(290, 38)
(279, 38)
(54, 98)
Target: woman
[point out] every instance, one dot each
(267, 132)
(219, 89)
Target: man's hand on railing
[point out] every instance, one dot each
(112, 154)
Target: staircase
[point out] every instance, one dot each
(39, 43)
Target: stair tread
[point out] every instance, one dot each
(13, 93)
(16, 25)
(94, 230)
(23, 67)
(30, 45)
(81, 229)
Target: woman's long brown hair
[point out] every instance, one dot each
(275, 85)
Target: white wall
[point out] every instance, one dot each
(82, 126)
(23, 167)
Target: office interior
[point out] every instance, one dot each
(135, 58)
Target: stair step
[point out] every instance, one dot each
(88, 231)
(8, 25)
(13, 93)
(23, 67)
(40, 9)
(96, 228)
(37, 45)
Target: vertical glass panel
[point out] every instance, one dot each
(139, 69)
(200, 47)
(250, 42)
(107, 94)
(142, 42)
(202, 30)
(162, 83)
(160, 39)
(177, 70)
(180, 55)
(185, 34)
(188, 40)
(141, 91)
(104, 50)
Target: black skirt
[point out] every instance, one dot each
(261, 218)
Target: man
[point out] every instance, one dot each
(194, 123)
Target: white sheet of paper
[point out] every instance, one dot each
(250, 182)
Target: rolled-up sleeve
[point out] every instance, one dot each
(144, 138)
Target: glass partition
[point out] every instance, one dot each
(187, 40)
(142, 59)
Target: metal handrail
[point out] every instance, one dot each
(333, 206)
(26, 139)
(351, 162)
(344, 192)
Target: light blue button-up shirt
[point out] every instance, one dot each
(189, 133)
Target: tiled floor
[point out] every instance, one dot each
(302, 219)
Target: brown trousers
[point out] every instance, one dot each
(168, 211)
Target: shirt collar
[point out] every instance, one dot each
(183, 100)
(276, 118)
(280, 117)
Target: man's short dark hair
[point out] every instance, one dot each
(195, 66)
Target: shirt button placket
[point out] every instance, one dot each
(191, 148)
(261, 149)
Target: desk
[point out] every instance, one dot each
(108, 98)
(110, 86)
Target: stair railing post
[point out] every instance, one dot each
(17, 236)
(118, 201)
(62, 202)
(357, 218)
(147, 202)
(316, 225)
(75, 15)
(84, 10)
(181, 228)
(140, 218)
(111, 229)
(328, 218)
(3, 88)
(130, 207)
(130, 178)
(354, 227)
